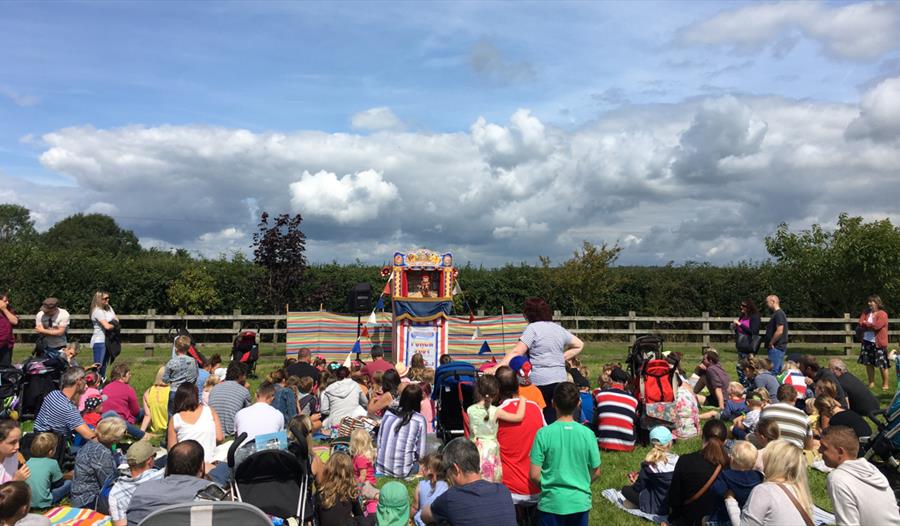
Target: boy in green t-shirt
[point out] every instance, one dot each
(46, 480)
(564, 460)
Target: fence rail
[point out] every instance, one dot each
(151, 328)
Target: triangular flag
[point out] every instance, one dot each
(456, 288)
(476, 334)
(387, 288)
(380, 304)
(471, 317)
(364, 333)
(372, 319)
(493, 359)
(356, 349)
(485, 348)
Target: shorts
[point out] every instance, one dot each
(873, 356)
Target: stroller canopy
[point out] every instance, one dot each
(450, 374)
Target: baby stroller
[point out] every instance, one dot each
(277, 481)
(246, 350)
(39, 377)
(453, 393)
(176, 332)
(10, 383)
(654, 383)
(883, 449)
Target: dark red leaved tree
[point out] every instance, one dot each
(279, 248)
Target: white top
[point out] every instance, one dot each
(8, 468)
(60, 319)
(869, 336)
(99, 314)
(203, 431)
(258, 419)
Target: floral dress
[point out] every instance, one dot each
(484, 434)
(687, 413)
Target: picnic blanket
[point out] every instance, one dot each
(68, 516)
(820, 516)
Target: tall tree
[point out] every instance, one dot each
(15, 224)
(279, 248)
(94, 233)
(194, 292)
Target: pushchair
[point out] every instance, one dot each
(453, 393)
(655, 381)
(39, 377)
(883, 448)
(176, 332)
(245, 349)
(10, 384)
(277, 481)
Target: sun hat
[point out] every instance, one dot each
(660, 435)
(393, 505)
(402, 369)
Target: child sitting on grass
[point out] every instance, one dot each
(812, 416)
(432, 486)
(92, 379)
(738, 479)
(363, 454)
(48, 485)
(650, 486)
(93, 408)
(746, 423)
(564, 460)
(736, 404)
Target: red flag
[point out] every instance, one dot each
(387, 288)
(364, 333)
(471, 317)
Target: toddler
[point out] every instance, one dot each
(93, 382)
(363, 454)
(47, 483)
(736, 404)
(430, 488)
(93, 408)
(211, 381)
(739, 478)
(650, 486)
(483, 418)
(812, 416)
(746, 423)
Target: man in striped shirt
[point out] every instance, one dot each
(793, 425)
(230, 396)
(615, 414)
(58, 413)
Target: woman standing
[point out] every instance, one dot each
(548, 346)
(102, 316)
(746, 332)
(8, 321)
(873, 354)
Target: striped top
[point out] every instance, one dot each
(227, 398)
(792, 423)
(398, 451)
(615, 419)
(57, 414)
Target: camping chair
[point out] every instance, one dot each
(208, 513)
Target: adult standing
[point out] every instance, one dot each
(548, 346)
(873, 353)
(515, 441)
(690, 498)
(746, 332)
(859, 397)
(51, 323)
(8, 320)
(776, 334)
(102, 318)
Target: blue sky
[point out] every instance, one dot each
(488, 128)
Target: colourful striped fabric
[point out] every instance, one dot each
(66, 516)
(333, 335)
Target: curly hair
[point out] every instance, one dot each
(339, 484)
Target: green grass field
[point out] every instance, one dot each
(615, 465)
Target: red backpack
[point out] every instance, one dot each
(658, 376)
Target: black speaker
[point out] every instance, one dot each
(359, 301)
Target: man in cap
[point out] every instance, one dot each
(522, 367)
(139, 469)
(52, 323)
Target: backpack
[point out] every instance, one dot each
(658, 379)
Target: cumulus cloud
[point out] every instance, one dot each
(489, 62)
(879, 113)
(351, 199)
(863, 31)
(705, 178)
(376, 119)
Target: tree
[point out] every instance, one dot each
(583, 283)
(15, 224)
(194, 292)
(92, 233)
(279, 249)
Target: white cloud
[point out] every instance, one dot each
(19, 99)
(351, 199)
(862, 31)
(488, 61)
(879, 113)
(102, 208)
(376, 119)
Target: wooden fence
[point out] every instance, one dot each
(151, 328)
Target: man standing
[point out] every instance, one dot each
(860, 399)
(515, 441)
(51, 323)
(59, 413)
(470, 501)
(378, 363)
(230, 396)
(260, 418)
(8, 320)
(138, 470)
(776, 334)
(861, 494)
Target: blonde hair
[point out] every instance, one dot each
(158, 381)
(43, 445)
(783, 462)
(361, 444)
(182, 344)
(211, 381)
(825, 405)
(743, 456)
(810, 404)
(110, 430)
(338, 482)
(97, 301)
(763, 394)
(659, 453)
(735, 389)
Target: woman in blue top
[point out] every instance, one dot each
(548, 346)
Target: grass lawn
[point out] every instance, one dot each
(615, 465)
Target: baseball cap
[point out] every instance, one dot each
(660, 435)
(50, 303)
(522, 367)
(139, 452)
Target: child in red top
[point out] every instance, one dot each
(363, 454)
(93, 408)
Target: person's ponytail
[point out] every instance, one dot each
(14, 495)
(714, 435)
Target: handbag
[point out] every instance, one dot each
(747, 344)
(803, 513)
(702, 491)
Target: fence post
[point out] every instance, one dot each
(705, 330)
(632, 327)
(479, 313)
(150, 337)
(848, 335)
(236, 324)
(275, 332)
